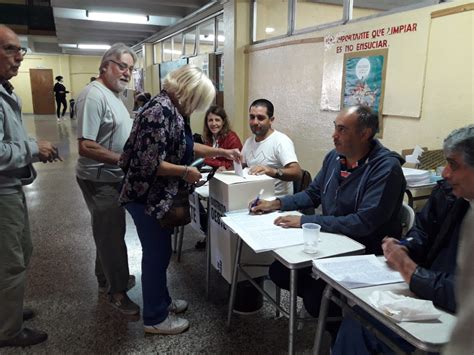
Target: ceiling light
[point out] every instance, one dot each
(269, 30)
(172, 51)
(210, 38)
(68, 45)
(93, 46)
(116, 17)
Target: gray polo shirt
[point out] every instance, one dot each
(103, 118)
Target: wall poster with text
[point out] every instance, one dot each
(363, 80)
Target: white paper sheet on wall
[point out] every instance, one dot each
(406, 35)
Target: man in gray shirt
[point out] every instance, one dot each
(17, 153)
(104, 125)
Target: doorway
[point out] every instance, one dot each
(42, 91)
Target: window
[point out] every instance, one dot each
(270, 19)
(167, 50)
(190, 43)
(312, 13)
(206, 37)
(177, 51)
(220, 33)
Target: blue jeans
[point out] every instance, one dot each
(156, 249)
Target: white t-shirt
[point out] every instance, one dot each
(276, 151)
(103, 118)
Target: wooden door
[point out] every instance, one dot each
(42, 91)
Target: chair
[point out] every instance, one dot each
(300, 185)
(407, 218)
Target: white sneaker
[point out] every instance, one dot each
(171, 325)
(177, 306)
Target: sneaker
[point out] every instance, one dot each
(130, 284)
(124, 304)
(171, 325)
(177, 306)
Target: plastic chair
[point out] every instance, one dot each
(407, 218)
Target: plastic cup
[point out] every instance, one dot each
(311, 237)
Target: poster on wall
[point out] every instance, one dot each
(363, 80)
(168, 67)
(403, 83)
(139, 80)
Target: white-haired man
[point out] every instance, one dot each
(104, 125)
(17, 153)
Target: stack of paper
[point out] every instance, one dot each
(259, 232)
(416, 177)
(358, 271)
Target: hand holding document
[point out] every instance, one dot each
(238, 168)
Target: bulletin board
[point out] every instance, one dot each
(168, 67)
(405, 37)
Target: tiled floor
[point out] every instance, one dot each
(63, 291)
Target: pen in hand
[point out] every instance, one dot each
(404, 242)
(255, 203)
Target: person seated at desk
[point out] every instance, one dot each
(217, 133)
(426, 258)
(360, 187)
(268, 151)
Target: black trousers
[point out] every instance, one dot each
(61, 100)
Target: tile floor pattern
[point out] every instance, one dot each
(62, 288)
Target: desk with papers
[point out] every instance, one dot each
(287, 247)
(428, 335)
(419, 184)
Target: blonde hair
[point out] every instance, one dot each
(191, 87)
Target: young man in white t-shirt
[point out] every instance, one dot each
(268, 151)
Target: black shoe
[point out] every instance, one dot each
(124, 304)
(26, 337)
(28, 313)
(201, 244)
(130, 284)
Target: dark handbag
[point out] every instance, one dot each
(178, 214)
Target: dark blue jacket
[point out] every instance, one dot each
(433, 244)
(365, 206)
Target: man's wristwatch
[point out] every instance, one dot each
(279, 173)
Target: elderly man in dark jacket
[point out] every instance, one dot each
(426, 258)
(360, 188)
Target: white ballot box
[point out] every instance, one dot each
(229, 192)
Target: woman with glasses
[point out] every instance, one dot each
(60, 95)
(156, 161)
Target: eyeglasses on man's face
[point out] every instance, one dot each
(12, 50)
(123, 66)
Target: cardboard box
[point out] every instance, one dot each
(229, 192)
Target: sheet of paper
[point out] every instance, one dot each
(358, 271)
(238, 169)
(259, 232)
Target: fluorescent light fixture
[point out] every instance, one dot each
(68, 45)
(93, 46)
(210, 38)
(269, 30)
(171, 51)
(116, 17)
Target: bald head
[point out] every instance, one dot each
(11, 54)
